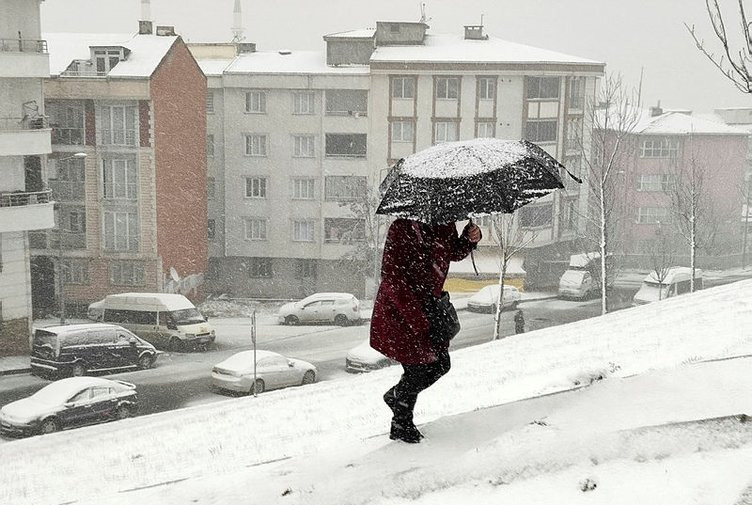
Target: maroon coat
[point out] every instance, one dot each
(399, 326)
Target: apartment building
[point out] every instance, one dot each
(25, 203)
(128, 169)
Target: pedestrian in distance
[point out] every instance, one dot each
(414, 267)
(519, 322)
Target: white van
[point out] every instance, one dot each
(578, 280)
(165, 320)
(677, 282)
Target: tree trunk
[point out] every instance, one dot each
(497, 317)
(603, 249)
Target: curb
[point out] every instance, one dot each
(15, 371)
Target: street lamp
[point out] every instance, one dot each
(60, 230)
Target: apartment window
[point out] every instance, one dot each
(116, 125)
(302, 188)
(260, 268)
(352, 145)
(653, 215)
(120, 179)
(127, 273)
(568, 214)
(343, 102)
(341, 188)
(255, 229)
(302, 230)
(255, 187)
(538, 216)
(211, 228)
(445, 131)
(541, 130)
(576, 92)
(106, 59)
(76, 221)
(210, 146)
(67, 180)
(76, 271)
(659, 148)
(542, 88)
(255, 145)
(486, 88)
(255, 102)
(486, 129)
(403, 131)
(403, 87)
(302, 103)
(344, 230)
(67, 122)
(574, 165)
(210, 102)
(211, 188)
(656, 182)
(121, 231)
(303, 146)
(574, 132)
(305, 269)
(447, 88)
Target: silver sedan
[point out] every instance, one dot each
(273, 371)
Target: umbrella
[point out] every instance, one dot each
(453, 181)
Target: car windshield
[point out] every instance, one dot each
(187, 316)
(54, 394)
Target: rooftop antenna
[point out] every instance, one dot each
(423, 18)
(237, 23)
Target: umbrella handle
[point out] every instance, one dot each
(472, 258)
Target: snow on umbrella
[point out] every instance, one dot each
(455, 180)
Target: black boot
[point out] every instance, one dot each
(402, 406)
(407, 433)
(390, 398)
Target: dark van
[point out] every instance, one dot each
(77, 349)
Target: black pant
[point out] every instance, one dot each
(415, 379)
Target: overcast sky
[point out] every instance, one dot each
(647, 34)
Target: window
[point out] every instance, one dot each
(255, 229)
(255, 145)
(302, 103)
(302, 230)
(260, 267)
(211, 188)
(541, 130)
(486, 88)
(568, 214)
(344, 188)
(67, 122)
(305, 269)
(403, 87)
(210, 102)
(445, 131)
(342, 102)
(76, 221)
(653, 215)
(656, 182)
(574, 133)
(210, 146)
(116, 125)
(538, 216)
(255, 102)
(120, 179)
(576, 92)
(302, 188)
(121, 231)
(344, 230)
(303, 146)
(542, 88)
(447, 88)
(127, 273)
(106, 59)
(255, 187)
(346, 144)
(68, 183)
(486, 129)
(659, 148)
(574, 165)
(75, 271)
(211, 229)
(403, 131)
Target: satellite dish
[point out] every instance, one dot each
(174, 274)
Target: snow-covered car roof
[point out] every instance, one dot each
(61, 390)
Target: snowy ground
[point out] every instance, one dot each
(662, 426)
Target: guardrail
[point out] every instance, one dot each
(20, 198)
(23, 46)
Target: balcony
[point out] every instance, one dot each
(22, 211)
(25, 136)
(24, 58)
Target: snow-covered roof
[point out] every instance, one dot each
(674, 274)
(213, 67)
(680, 123)
(364, 33)
(457, 49)
(146, 51)
(288, 62)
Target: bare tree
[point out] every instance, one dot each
(746, 193)
(734, 63)
(662, 253)
(613, 115)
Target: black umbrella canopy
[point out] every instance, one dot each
(456, 180)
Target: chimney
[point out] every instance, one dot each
(474, 32)
(165, 31)
(656, 110)
(145, 25)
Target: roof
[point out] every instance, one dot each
(63, 388)
(146, 51)
(680, 123)
(674, 274)
(67, 328)
(170, 300)
(457, 49)
(213, 67)
(364, 33)
(289, 62)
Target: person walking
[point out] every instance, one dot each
(519, 322)
(414, 266)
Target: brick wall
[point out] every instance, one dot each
(14, 337)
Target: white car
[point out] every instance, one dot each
(365, 358)
(273, 371)
(95, 311)
(485, 299)
(338, 308)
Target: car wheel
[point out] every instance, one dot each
(78, 370)
(258, 387)
(123, 412)
(49, 425)
(308, 378)
(292, 320)
(146, 361)
(176, 345)
(341, 320)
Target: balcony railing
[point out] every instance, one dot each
(19, 198)
(23, 123)
(23, 46)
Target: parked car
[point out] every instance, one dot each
(273, 371)
(68, 403)
(485, 300)
(95, 311)
(338, 308)
(579, 281)
(77, 349)
(677, 281)
(365, 358)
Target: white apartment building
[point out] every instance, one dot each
(24, 144)
(296, 136)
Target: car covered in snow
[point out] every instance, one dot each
(365, 358)
(95, 311)
(486, 299)
(68, 403)
(273, 371)
(338, 308)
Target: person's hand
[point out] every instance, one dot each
(472, 232)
